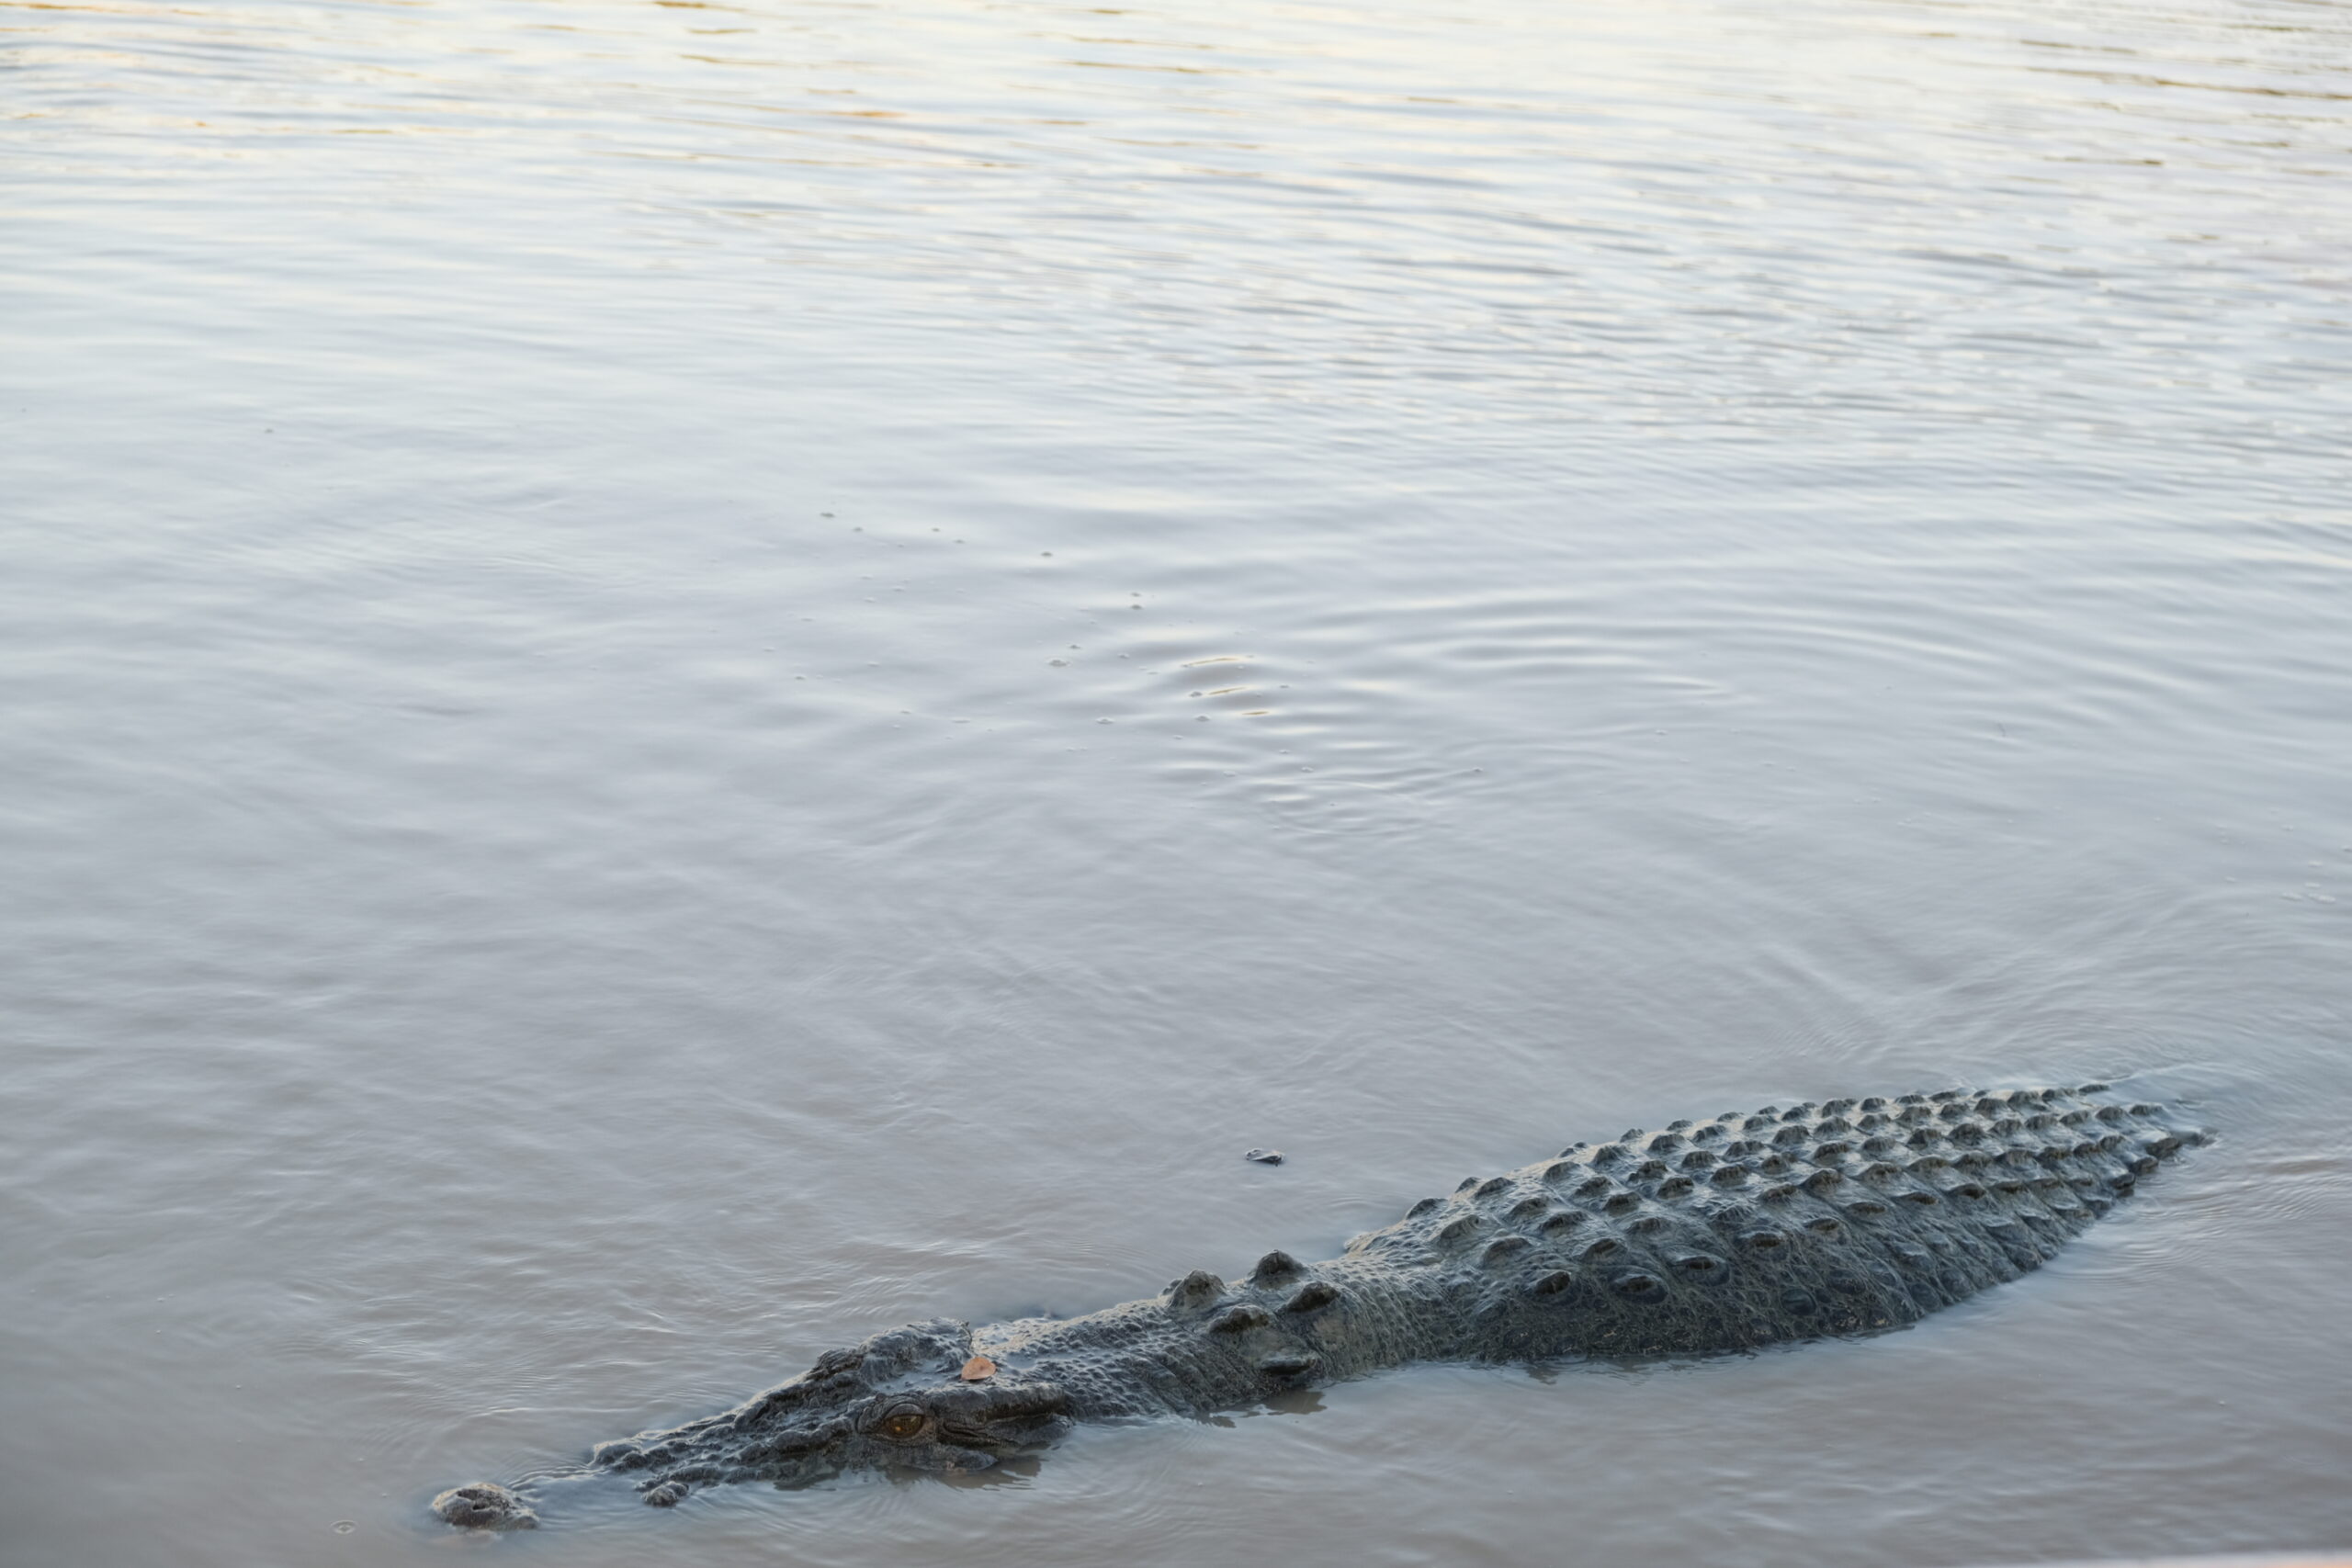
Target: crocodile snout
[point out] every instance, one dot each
(484, 1506)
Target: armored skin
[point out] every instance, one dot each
(1743, 1229)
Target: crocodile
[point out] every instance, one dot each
(1749, 1229)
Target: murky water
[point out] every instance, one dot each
(683, 680)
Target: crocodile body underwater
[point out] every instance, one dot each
(1744, 1230)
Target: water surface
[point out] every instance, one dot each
(684, 680)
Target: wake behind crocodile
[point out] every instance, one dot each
(1748, 1229)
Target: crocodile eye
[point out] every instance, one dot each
(904, 1425)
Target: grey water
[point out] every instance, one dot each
(682, 679)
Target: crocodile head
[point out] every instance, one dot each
(914, 1399)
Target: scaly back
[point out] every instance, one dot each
(1780, 1224)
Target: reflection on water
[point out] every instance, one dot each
(686, 680)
